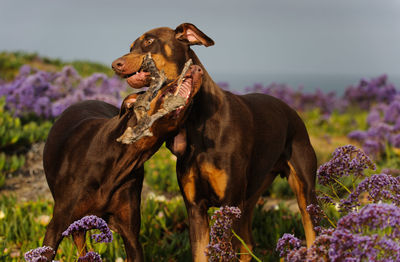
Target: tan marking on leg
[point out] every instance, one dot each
(245, 256)
(188, 184)
(199, 255)
(170, 68)
(168, 50)
(217, 178)
(80, 242)
(297, 186)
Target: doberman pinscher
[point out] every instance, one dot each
(90, 173)
(231, 147)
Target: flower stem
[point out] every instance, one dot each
(244, 244)
(334, 192)
(340, 183)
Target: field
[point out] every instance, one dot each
(35, 90)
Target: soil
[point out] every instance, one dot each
(29, 183)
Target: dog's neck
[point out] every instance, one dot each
(127, 157)
(209, 87)
(210, 94)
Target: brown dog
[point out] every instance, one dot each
(90, 173)
(231, 147)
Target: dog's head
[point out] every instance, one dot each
(167, 109)
(169, 49)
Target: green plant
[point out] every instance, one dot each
(9, 164)
(23, 226)
(10, 62)
(280, 189)
(336, 123)
(13, 132)
(269, 225)
(164, 233)
(160, 172)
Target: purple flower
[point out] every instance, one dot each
(290, 247)
(220, 246)
(25, 70)
(297, 255)
(369, 92)
(39, 254)
(90, 257)
(34, 91)
(393, 112)
(373, 147)
(395, 140)
(391, 172)
(384, 127)
(374, 117)
(298, 99)
(315, 212)
(319, 250)
(91, 222)
(346, 161)
(371, 234)
(358, 135)
(287, 243)
(380, 187)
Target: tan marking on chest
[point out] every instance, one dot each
(189, 188)
(168, 50)
(170, 68)
(217, 178)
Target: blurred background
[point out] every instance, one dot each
(336, 62)
(325, 44)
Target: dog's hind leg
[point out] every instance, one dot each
(301, 179)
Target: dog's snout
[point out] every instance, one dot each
(118, 65)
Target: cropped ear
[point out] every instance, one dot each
(190, 34)
(127, 103)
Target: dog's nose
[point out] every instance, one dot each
(118, 65)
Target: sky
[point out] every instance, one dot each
(261, 37)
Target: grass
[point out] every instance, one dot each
(160, 172)
(164, 231)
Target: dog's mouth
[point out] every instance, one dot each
(139, 79)
(179, 93)
(159, 107)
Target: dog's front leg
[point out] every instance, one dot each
(199, 231)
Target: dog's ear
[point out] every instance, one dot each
(127, 103)
(190, 34)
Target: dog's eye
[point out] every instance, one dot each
(148, 42)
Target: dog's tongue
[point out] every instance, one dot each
(139, 80)
(184, 89)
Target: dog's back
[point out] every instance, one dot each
(69, 122)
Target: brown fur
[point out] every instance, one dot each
(232, 147)
(90, 173)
